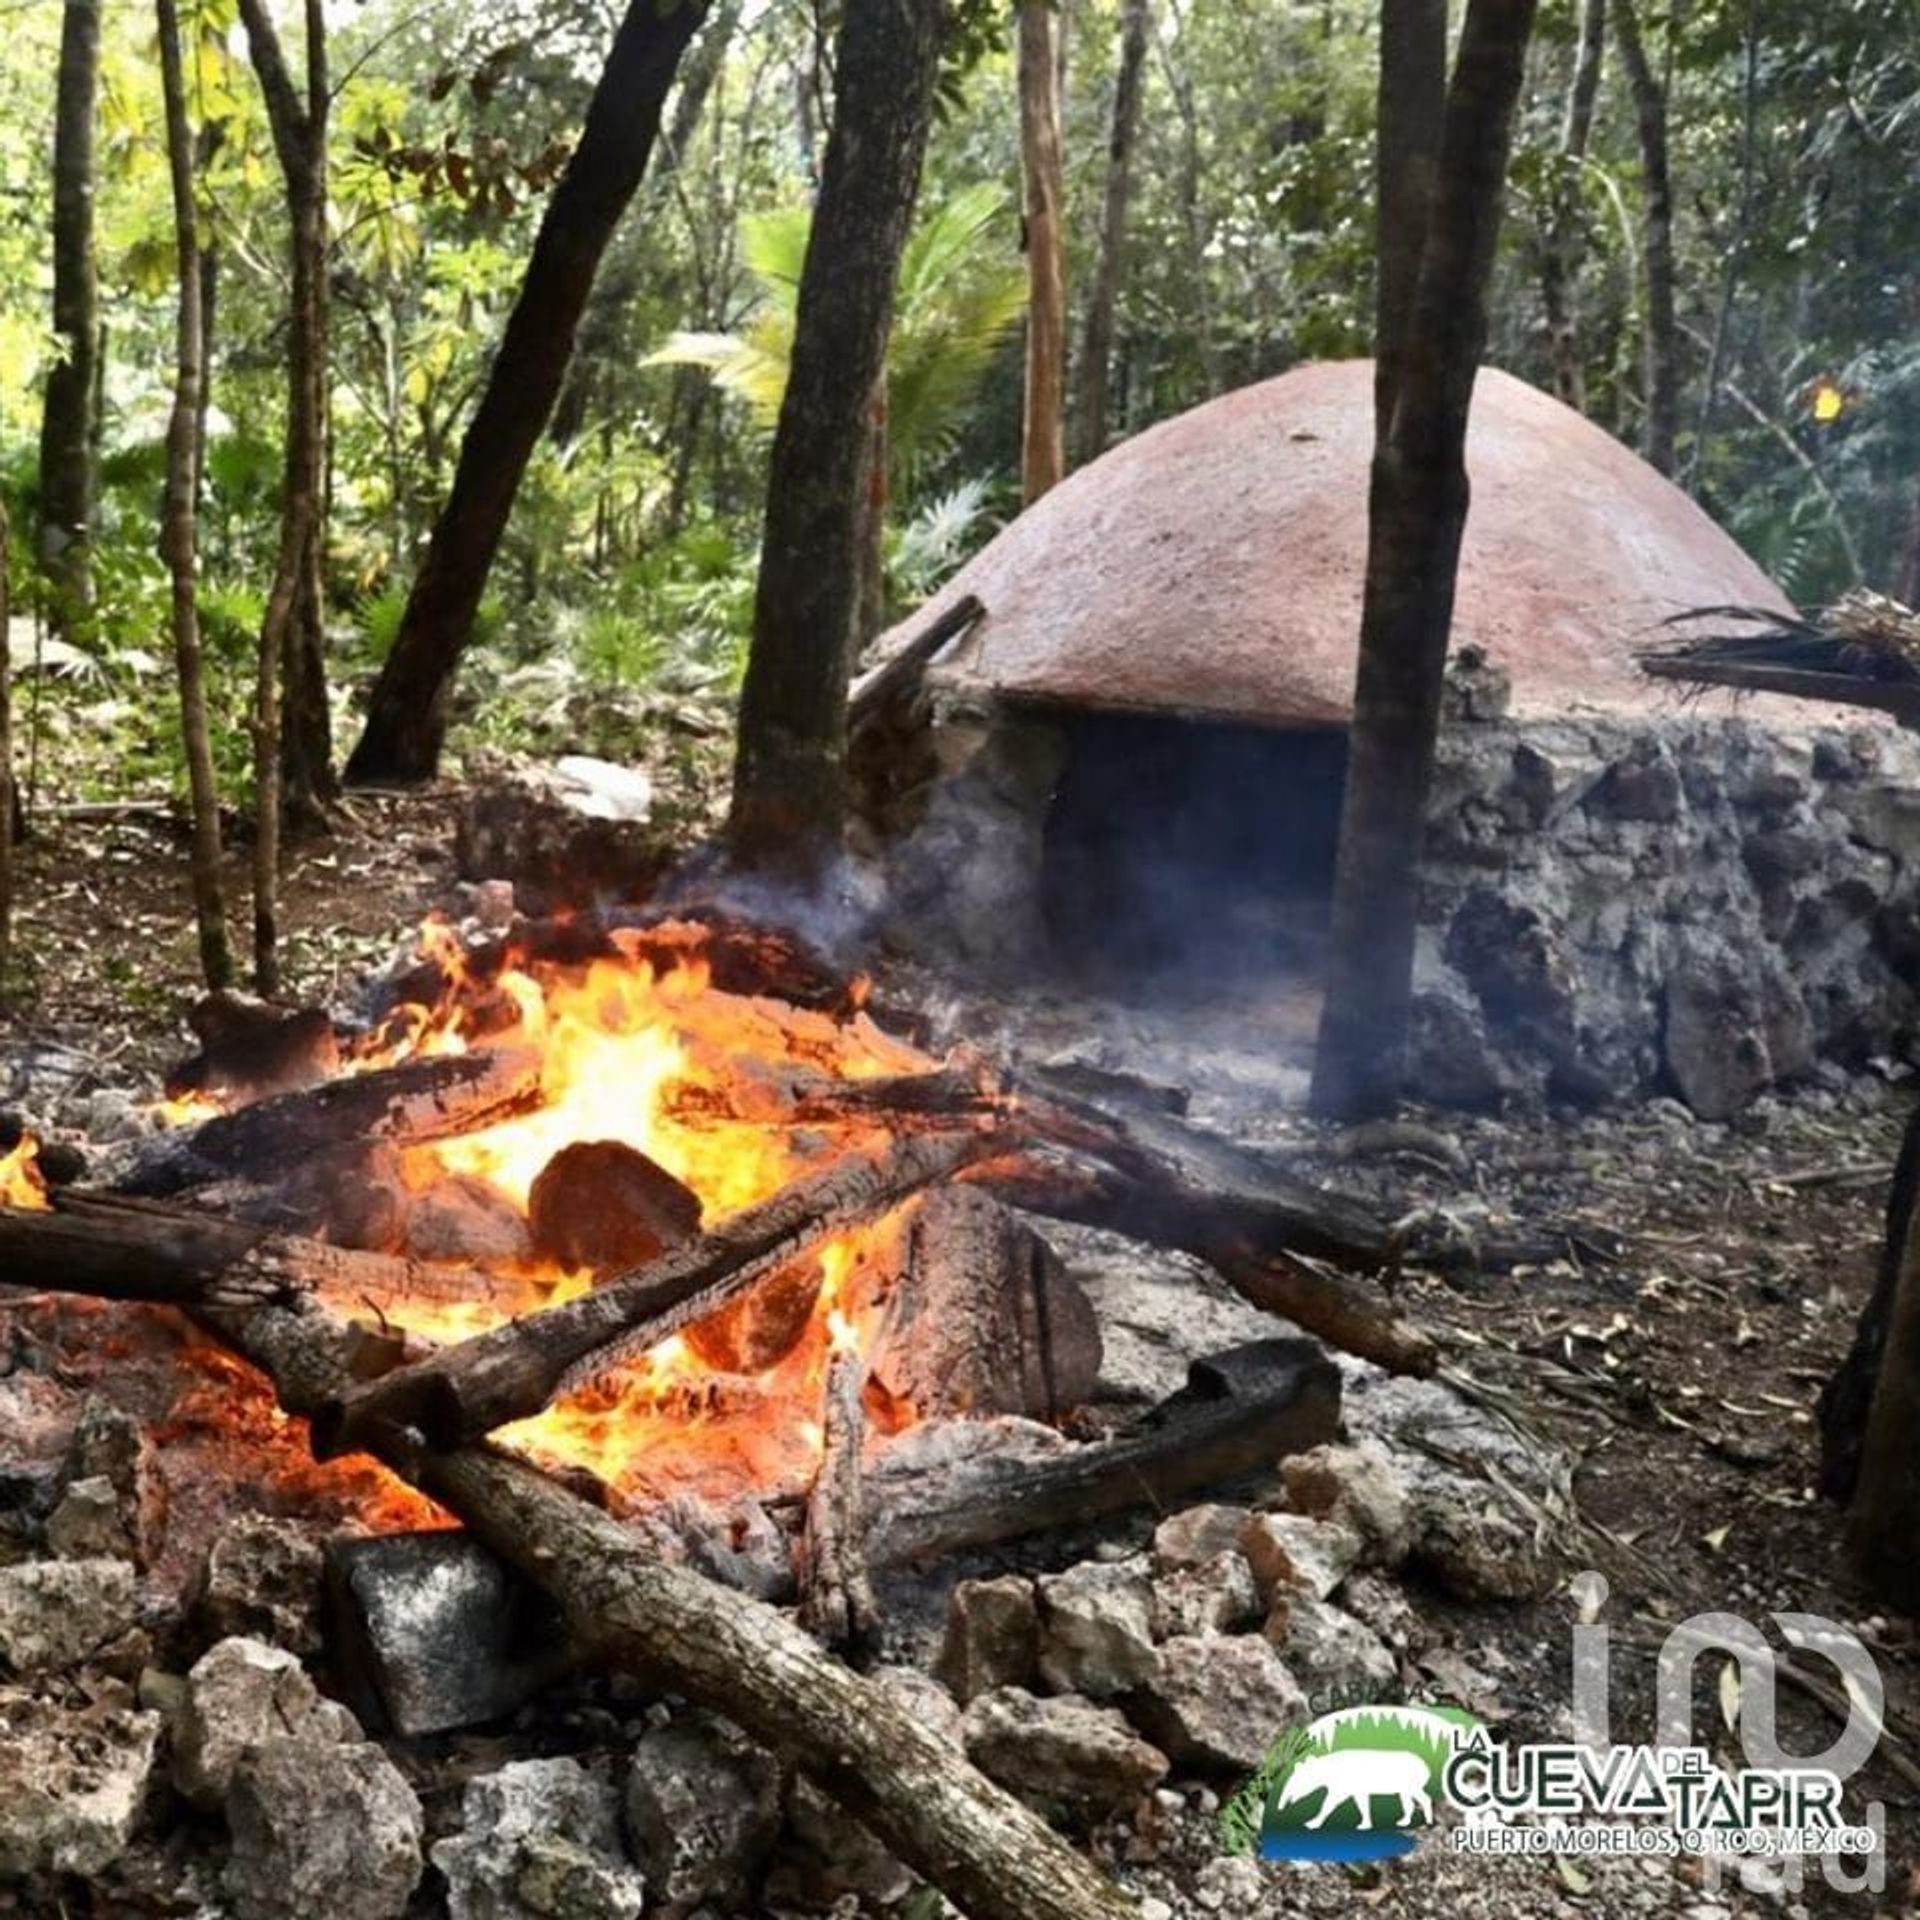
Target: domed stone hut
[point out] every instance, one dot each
(1137, 756)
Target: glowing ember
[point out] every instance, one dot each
(21, 1182)
(656, 1057)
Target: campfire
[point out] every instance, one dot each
(644, 1247)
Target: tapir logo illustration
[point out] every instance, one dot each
(1354, 1785)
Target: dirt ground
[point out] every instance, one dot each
(1682, 1373)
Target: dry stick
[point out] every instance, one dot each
(515, 1370)
(988, 1854)
(836, 1596)
(123, 1249)
(902, 671)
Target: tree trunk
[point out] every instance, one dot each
(69, 475)
(1043, 457)
(179, 531)
(8, 800)
(1660, 329)
(1560, 250)
(1417, 513)
(1885, 1511)
(286, 732)
(1412, 105)
(790, 774)
(407, 712)
(1096, 339)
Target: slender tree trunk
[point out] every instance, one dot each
(1412, 107)
(68, 464)
(1043, 455)
(790, 773)
(292, 736)
(1660, 329)
(407, 712)
(1560, 249)
(1906, 585)
(1096, 339)
(1884, 1514)
(9, 799)
(1417, 514)
(179, 536)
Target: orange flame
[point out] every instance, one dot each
(22, 1184)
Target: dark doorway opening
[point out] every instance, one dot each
(1182, 857)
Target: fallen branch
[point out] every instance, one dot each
(900, 674)
(515, 1370)
(1242, 1238)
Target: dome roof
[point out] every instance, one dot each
(1212, 565)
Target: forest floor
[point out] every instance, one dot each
(1682, 1374)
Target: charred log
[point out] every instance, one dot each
(1239, 1412)
(606, 1205)
(414, 1102)
(836, 1596)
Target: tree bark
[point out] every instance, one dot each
(69, 475)
(9, 799)
(1417, 514)
(1096, 339)
(407, 711)
(1560, 250)
(287, 734)
(1043, 457)
(790, 788)
(1884, 1516)
(1660, 331)
(1412, 107)
(179, 536)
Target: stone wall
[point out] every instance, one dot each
(1705, 905)
(1611, 907)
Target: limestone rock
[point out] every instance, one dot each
(321, 1831)
(1220, 1701)
(72, 1782)
(1329, 1652)
(1359, 1486)
(1217, 1596)
(89, 1523)
(54, 1613)
(992, 1637)
(703, 1808)
(539, 1840)
(565, 834)
(1066, 1758)
(1096, 1629)
(1297, 1553)
(1476, 1549)
(239, 1694)
(262, 1582)
(1196, 1535)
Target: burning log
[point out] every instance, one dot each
(119, 1248)
(764, 1325)
(605, 1205)
(991, 1856)
(414, 1102)
(1239, 1412)
(836, 1597)
(515, 1370)
(981, 1317)
(250, 1048)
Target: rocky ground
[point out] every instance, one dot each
(1641, 1407)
